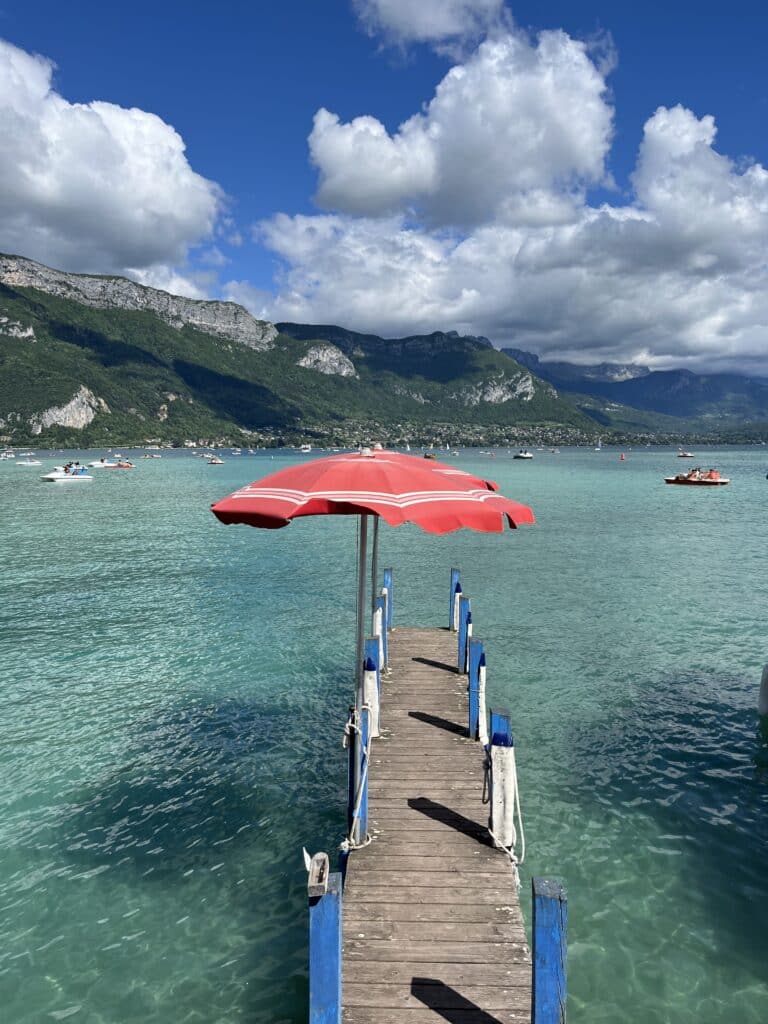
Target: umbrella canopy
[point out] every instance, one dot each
(399, 488)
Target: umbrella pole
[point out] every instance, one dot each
(374, 562)
(361, 572)
(362, 565)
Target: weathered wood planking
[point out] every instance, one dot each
(432, 922)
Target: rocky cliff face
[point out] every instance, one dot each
(14, 329)
(502, 388)
(78, 412)
(330, 360)
(225, 319)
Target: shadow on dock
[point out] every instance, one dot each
(448, 1003)
(439, 723)
(448, 816)
(435, 664)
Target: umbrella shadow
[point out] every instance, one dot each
(448, 1003)
(435, 664)
(449, 817)
(439, 722)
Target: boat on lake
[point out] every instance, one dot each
(523, 454)
(215, 461)
(683, 454)
(29, 462)
(698, 478)
(103, 464)
(68, 475)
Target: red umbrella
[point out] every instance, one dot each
(399, 488)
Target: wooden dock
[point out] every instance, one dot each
(432, 927)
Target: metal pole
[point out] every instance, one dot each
(361, 570)
(357, 759)
(374, 563)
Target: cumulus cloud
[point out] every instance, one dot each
(438, 22)
(93, 186)
(677, 276)
(517, 119)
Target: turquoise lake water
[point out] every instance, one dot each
(174, 691)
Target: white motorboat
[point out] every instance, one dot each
(523, 454)
(29, 462)
(305, 449)
(215, 461)
(102, 464)
(63, 475)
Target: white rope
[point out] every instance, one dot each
(505, 801)
(350, 843)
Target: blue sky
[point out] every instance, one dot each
(587, 242)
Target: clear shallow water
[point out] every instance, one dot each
(167, 680)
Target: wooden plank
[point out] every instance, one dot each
(427, 953)
(465, 859)
(461, 974)
(438, 996)
(435, 931)
(362, 911)
(387, 1015)
(423, 894)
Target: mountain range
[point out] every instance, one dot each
(618, 393)
(97, 360)
(101, 360)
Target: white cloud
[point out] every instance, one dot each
(516, 120)
(428, 21)
(676, 277)
(93, 186)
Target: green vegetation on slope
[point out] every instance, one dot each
(159, 382)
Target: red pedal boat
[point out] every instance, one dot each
(698, 478)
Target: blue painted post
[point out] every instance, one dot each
(381, 604)
(550, 927)
(371, 657)
(464, 619)
(482, 724)
(501, 728)
(453, 623)
(371, 653)
(325, 954)
(388, 585)
(475, 654)
(501, 821)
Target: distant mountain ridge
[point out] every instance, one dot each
(609, 373)
(226, 319)
(702, 398)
